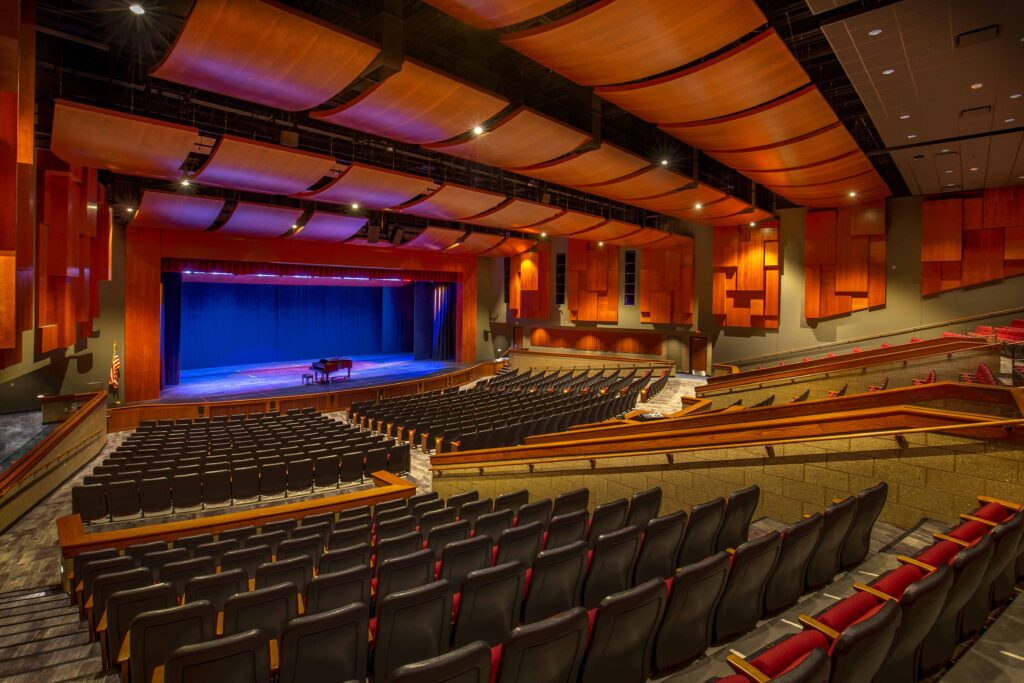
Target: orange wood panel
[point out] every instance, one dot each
(649, 182)
(260, 220)
(141, 353)
(771, 293)
(637, 343)
(600, 165)
(433, 238)
(757, 71)
(771, 254)
(851, 260)
(680, 201)
(750, 266)
(820, 238)
(666, 284)
(844, 271)
(941, 230)
(877, 271)
(822, 145)
(523, 138)
(845, 166)
(453, 202)
(974, 210)
(592, 281)
(867, 184)
(609, 230)
(931, 278)
(640, 238)
(983, 255)
(1014, 246)
(330, 227)
(567, 223)
(475, 243)
(725, 247)
(495, 13)
(417, 105)
(264, 52)
(740, 278)
(133, 145)
(791, 116)
(371, 187)
(868, 219)
(510, 246)
(1004, 207)
(531, 284)
(515, 214)
(176, 211)
(241, 164)
(615, 41)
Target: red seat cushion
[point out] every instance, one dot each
(993, 512)
(496, 653)
(456, 597)
(735, 678)
(526, 581)
(847, 611)
(895, 583)
(939, 553)
(591, 617)
(969, 531)
(782, 656)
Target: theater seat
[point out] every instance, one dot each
(870, 502)
(108, 583)
(240, 658)
(739, 607)
(860, 649)
(739, 510)
(297, 571)
(686, 628)
(412, 625)
(812, 665)
(660, 547)
(459, 558)
(643, 507)
(607, 517)
(611, 566)
(566, 529)
(178, 574)
(512, 501)
(571, 501)
(216, 588)
(327, 646)
(124, 605)
(537, 511)
(556, 581)
(549, 651)
(327, 592)
(623, 635)
(156, 634)
(519, 544)
(1005, 538)
(489, 604)
(89, 502)
(825, 558)
(701, 531)
(267, 609)
(405, 572)
(468, 664)
(786, 582)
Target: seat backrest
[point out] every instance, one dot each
(520, 544)
(460, 499)
(459, 558)
(736, 521)
(124, 605)
(468, 664)
(156, 634)
(98, 567)
(549, 650)
(741, 602)
(396, 547)
(623, 635)
(701, 531)
(395, 526)
(537, 511)
(349, 536)
(405, 572)
(471, 510)
(611, 567)
(860, 649)
(247, 559)
(660, 547)
(190, 543)
(264, 608)
(566, 529)
(493, 523)
(512, 501)
(686, 628)
(435, 518)
(216, 588)
(326, 646)
(786, 582)
(643, 507)
(296, 571)
(920, 606)
(239, 657)
(179, 573)
(489, 604)
(217, 549)
(337, 589)
(571, 501)
(815, 668)
(825, 558)
(108, 583)
(340, 559)
(301, 546)
(607, 517)
(412, 625)
(870, 502)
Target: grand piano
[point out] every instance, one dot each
(323, 368)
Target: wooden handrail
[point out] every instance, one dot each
(595, 356)
(17, 472)
(73, 539)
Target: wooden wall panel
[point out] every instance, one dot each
(530, 284)
(666, 284)
(845, 255)
(971, 240)
(745, 269)
(633, 343)
(592, 282)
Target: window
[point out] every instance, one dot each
(559, 279)
(508, 277)
(629, 277)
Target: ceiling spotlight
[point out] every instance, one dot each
(912, 136)
(948, 171)
(875, 32)
(664, 162)
(355, 206)
(977, 86)
(752, 223)
(698, 206)
(1015, 96)
(904, 117)
(136, 8)
(295, 226)
(853, 194)
(944, 151)
(543, 234)
(478, 130)
(888, 72)
(130, 210)
(92, 206)
(186, 182)
(1009, 120)
(973, 168)
(600, 244)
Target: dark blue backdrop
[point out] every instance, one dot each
(226, 324)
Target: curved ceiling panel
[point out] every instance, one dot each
(643, 238)
(515, 214)
(866, 183)
(759, 70)
(330, 227)
(173, 211)
(672, 203)
(264, 52)
(523, 138)
(370, 187)
(747, 218)
(452, 203)
(495, 13)
(123, 143)
(510, 247)
(600, 165)
(650, 182)
(609, 230)
(727, 206)
(416, 105)
(363, 242)
(475, 243)
(568, 223)
(824, 144)
(260, 220)
(852, 163)
(614, 41)
(434, 238)
(261, 167)
(845, 200)
(792, 116)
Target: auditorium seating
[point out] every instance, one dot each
(186, 465)
(502, 410)
(417, 607)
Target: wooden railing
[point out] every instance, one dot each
(129, 416)
(582, 361)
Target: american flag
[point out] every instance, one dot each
(115, 369)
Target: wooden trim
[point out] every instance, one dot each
(971, 518)
(729, 369)
(1005, 503)
(742, 666)
(645, 361)
(864, 588)
(946, 537)
(828, 632)
(903, 559)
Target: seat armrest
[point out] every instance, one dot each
(945, 537)
(903, 559)
(864, 588)
(1005, 503)
(979, 520)
(826, 631)
(747, 669)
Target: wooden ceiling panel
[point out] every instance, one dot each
(453, 203)
(615, 41)
(330, 227)
(644, 237)
(417, 105)
(256, 166)
(363, 242)
(672, 203)
(523, 138)
(515, 214)
(841, 199)
(726, 206)
(568, 223)
(796, 114)
(434, 238)
(755, 72)
(264, 52)
(510, 247)
(866, 183)
(742, 218)
(850, 164)
(495, 13)
(600, 165)
(173, 211)
(371, 187)
(475, 244)
(609, 230)
(649, 182)
(260, 220)
(822, 145)
(123, 143)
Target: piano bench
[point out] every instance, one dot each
(307, 378)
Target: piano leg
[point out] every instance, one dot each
(349, 372)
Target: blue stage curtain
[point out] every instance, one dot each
(423, 321)
(171, 311)
(396, 319)
(444, 322)
(227, 324)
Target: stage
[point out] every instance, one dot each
(263, 380)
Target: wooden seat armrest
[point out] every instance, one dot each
(220, 623)
(806, 515)
(1005, 503)
(124, 654)
(103, 623)
(731, 551)
(747, 669)
(275, 655)
(864, 588)
(903, 559)
(979, 520)
(821, 628)
(158, 675)
(836, 501)
(945, 537)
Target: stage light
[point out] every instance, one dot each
(186, 182)
(973, 168)
(295, 226)
(355, 206)
(977, 86)
(543, 234)
(136, 8)
(912, 136)
(752, 224)
(478, 130)
(698, 206)
(947, 171)
(1009, 120)
(943, 151)
(130, 210)
(1015, 96)
(904, 117)
(664, 162)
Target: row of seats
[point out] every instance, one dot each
(906, 624)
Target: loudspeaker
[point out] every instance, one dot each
(289, 138)
(373, 233)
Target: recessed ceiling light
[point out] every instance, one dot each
(130, 210)
(888, 72)
(600, 244)
(1020, 177)
(136, 8)
(355, 205)
(944, 151)
(875, 32)
(947, 171)
(1009, 120)
(951, 185)
(295, 226)
(912, 136)
(1015, 96)
(698, 206)
(904, 117)
(543, 234)
(973, 168)
(977, 86)
(752, 224)
(92, 206)
(853, 194)
(664, 162)
(186, 182)
(478, 130)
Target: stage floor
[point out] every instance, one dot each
(285, 378)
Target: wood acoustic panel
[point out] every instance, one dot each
(607, 341)
(972, 240)
(240, 164)
(666, 284)
(453, 202)
(567, 223)
(530, 284)
(515, 214)
(371, 187)
(495, 13)
(745, 275)
(592, 282)
(844, 260)
(592, 167)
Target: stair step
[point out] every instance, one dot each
(43, 645)
(79, 662)
(28, 612)
(80, 670)
(36, 599)
(25, 593)
(42, 633)
(24, 659)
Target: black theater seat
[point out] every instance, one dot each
(412, 625)
(739, 510)
(468, 664)
(489, 604)
(686, 628)
(571, 501)
(619, 650)
(330, 591)
(825, 558)
(520, 544)
(701, 531)
(566, 529)
(611, 567)
(267, 609)
(404, 572)
(556, 581)
(786, 582)
(216, 588)
(739, 607)
(660, 547)
(550, 651)
(329, 646)
(156, 634)
(459, 558)
(870, 502)
(124, 605)
(90, 502)
(607, 517)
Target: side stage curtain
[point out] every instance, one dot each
(444, 322)
(171, 310)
